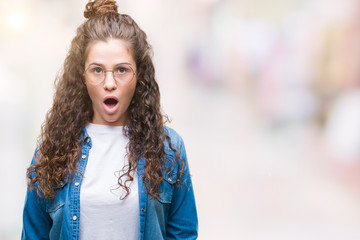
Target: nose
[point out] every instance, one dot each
(109, 82)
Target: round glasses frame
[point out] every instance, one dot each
(118, 79)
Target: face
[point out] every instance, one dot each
(110, 99)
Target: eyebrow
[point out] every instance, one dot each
(102, 65)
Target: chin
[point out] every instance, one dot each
(114, 121)
(110, 120)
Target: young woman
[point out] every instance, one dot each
(106, 167)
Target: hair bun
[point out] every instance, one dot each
(99, 7)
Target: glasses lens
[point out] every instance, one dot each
(123, 73)
(95, 74)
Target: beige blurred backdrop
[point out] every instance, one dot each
(265, 94)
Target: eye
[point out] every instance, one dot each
(121, 70)
(97, 70)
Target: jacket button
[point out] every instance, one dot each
(143, 210)
(83, 156)
(77, 184)
(74, 218)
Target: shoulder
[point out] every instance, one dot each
(175, 138)
(173, 135)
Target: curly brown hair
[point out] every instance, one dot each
(60, 140)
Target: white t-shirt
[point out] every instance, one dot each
(102, 214)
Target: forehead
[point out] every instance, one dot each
(109, 52)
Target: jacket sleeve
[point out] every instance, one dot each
(36, 221)
(182, 219)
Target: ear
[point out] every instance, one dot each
(83, 80)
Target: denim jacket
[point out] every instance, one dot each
(172, 216)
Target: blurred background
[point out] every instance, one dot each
(266, 95)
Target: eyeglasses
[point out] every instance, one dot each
(122, 73)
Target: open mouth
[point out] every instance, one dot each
(111, 102)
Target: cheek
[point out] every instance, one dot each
(129, 92)
(92, 91)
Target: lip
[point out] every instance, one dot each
(110, 109)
